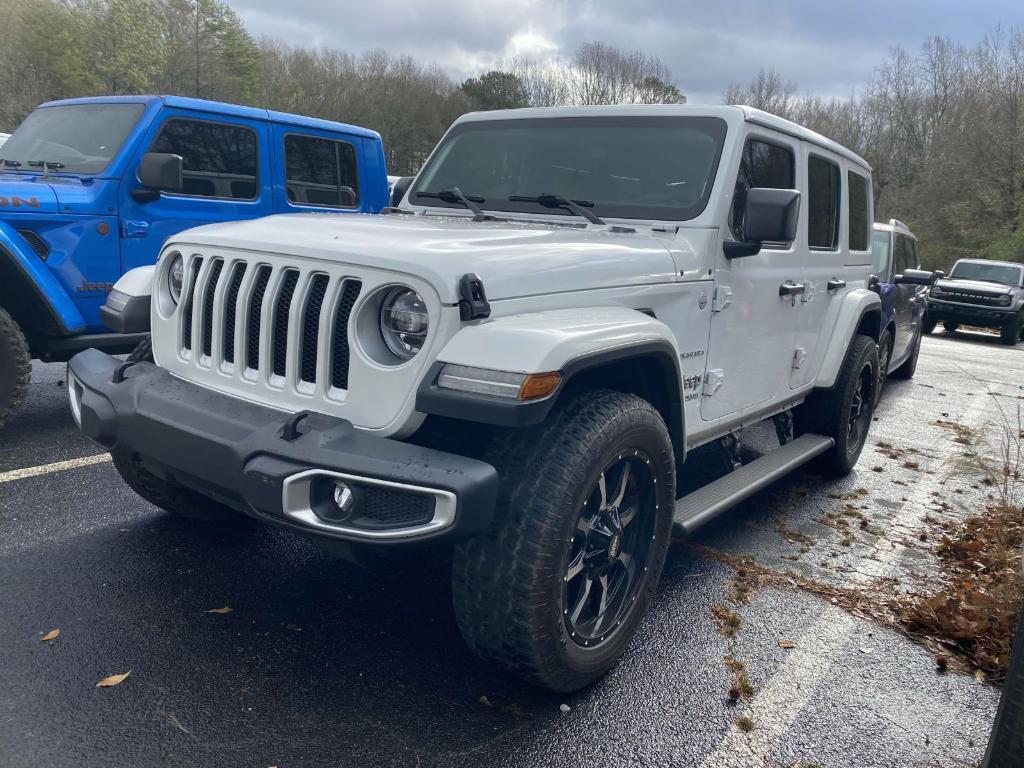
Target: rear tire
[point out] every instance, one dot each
(529, 593)
(169, 496)
(950, 327)
(15, 367)
(884, 358)
(929, 324)
(909, 367)
(844, 412)
(1011, 332)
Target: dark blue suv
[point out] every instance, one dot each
(90, 188)
(902, 285)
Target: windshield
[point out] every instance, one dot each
(987, 273)
(648, 167)
(881, 253)
(76, 138)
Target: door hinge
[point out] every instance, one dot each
(713, 381)
(722, 298)
(808, 293)
(799, 357)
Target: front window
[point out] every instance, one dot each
(881, 253)
(987, 273)
(74, 138)
(218, 159)
(658, 168)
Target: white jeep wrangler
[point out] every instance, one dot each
(516, 361)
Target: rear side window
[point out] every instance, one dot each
(321, 172)
(823, 189)
(858, 211)
(763, 165)
(220, 159)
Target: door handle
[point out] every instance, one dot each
(835, 284)
(135, 228)
(789, 288)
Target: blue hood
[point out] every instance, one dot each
(31, 193)
(26, 196)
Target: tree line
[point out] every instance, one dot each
(942, 127)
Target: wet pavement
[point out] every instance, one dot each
(322, 664)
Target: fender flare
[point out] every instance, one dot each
(28, 269)
(573, 342)
(860, 313)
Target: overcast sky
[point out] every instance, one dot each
(827, 47)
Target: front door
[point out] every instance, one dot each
(754, 319)
(227, 176)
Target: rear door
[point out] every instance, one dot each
(753, 334)
(227, 177)
(907, 296)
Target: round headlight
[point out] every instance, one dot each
(404, 322)
(176, 277)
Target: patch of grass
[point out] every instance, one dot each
(744, 723)
(727, 620)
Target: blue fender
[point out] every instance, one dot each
(14, 249)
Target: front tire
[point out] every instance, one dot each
(884, 357)
(909, 367)
(15, 367)
(557, 587)
(844, 412)
(1011, 332)
(166, 495)
(929, 324)
(949, 326)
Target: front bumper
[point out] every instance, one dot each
(972, 314)
(265, 463)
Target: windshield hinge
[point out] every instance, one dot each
(472, 298)
(722, 298)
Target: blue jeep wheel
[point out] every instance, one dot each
(15, 367)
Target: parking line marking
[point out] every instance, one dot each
(57, 466)
(785, 694)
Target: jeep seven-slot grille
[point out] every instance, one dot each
(294, 302)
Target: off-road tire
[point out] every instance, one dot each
(827, 412)
(508, 582)
(929, 324)
(1010, 333)
(143, 352)
(909, 367)
(168, 496)
(884, 358)
(15, 367)
(949, 326)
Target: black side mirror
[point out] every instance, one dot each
(939, 274)
(398, 191)
(915, 277)
(771, 216)
(159, 171)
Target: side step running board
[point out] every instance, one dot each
(697, 508)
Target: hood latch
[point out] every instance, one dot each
(472, 298)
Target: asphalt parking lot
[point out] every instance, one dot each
(320, 664)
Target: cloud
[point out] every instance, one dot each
(827, 47)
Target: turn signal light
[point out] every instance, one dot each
(539, 385)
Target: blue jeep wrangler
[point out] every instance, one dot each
(90, 188)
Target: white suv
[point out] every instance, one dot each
(514, 361)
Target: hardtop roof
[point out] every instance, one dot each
(223, 108)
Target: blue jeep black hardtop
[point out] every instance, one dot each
(90, 188)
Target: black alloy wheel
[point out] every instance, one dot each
(608, 553)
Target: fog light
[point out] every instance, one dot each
(344, 499)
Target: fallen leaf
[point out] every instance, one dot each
(485, 701)
(225, 609)
(109, 682)
(980, 676)
(53, 634)
(866, 650)
(787, 644)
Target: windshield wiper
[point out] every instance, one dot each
(454, 195)
(549, 200)
(12, 163)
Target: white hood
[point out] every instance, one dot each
(513, 258)
(957, 284)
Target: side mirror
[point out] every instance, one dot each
(398, 191)
(159, 171)
(771, 216)
(915, 277)
(939, 274)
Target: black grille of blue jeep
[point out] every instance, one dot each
(281, 313)
(311, 326)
